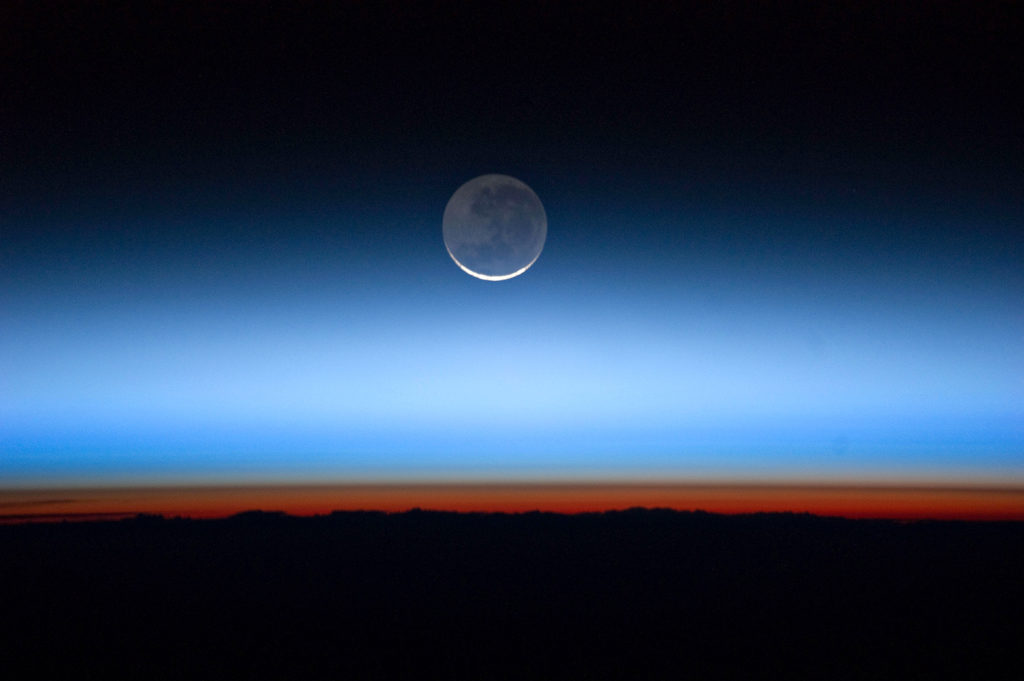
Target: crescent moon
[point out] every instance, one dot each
(494, 227)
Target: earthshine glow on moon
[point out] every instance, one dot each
(494, 227)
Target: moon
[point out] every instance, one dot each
(494, 227)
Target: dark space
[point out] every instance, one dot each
(637, 594)
(172, 105)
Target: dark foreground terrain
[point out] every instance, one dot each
(632, 595)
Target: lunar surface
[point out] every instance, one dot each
(494, 227)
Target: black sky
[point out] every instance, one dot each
(784, 98)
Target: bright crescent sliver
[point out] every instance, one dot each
(488, 277)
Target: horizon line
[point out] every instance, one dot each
(891, 500)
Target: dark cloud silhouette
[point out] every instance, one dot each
(630, 594)
(37, 502)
